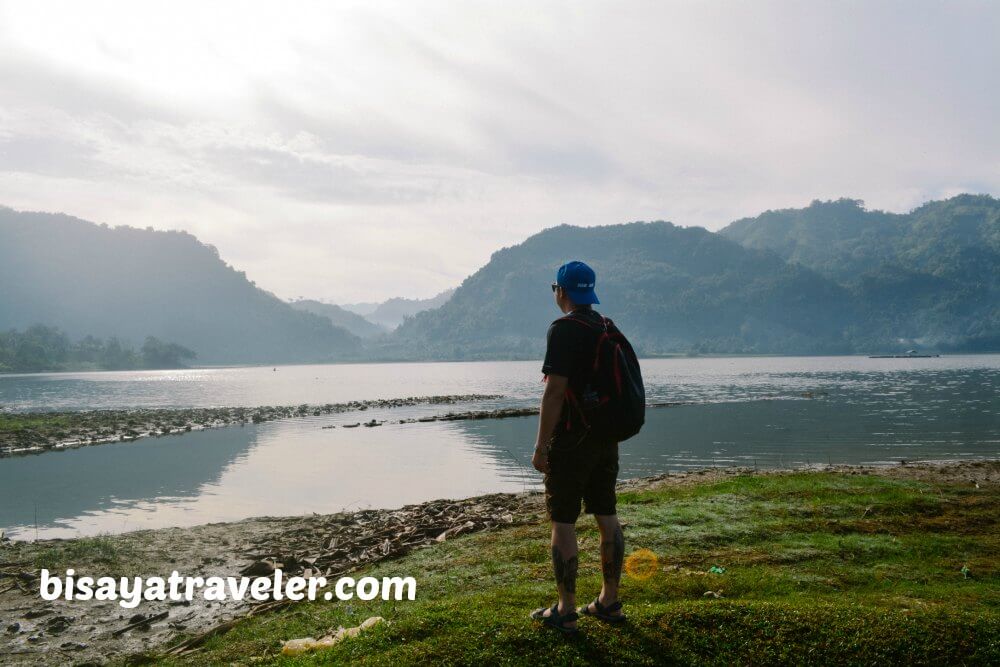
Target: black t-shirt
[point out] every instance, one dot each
(569, 351)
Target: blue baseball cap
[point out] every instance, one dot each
(578, 280)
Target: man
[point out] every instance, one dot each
(577, 464)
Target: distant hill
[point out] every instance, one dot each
(130, 283)
(356, 324)
(391, 313)
(672, 289)
(833, 277)
(930, 277)
(830, 278)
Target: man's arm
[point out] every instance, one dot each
(552, 401)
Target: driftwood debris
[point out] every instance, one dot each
(333, 545)
(337, 543)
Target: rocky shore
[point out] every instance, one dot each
(35, 631)
(24, 433)
(27, 433)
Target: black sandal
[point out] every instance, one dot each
(604, 613)
(554, 620)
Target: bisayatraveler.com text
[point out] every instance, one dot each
(132, 591)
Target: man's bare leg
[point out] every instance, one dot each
(564, 566)
(612, 559)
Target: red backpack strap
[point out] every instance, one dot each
(604, 331)
(570, 396)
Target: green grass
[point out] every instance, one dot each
(820, 568)
(100, 555)
(25, 422)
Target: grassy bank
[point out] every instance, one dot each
(820, 567)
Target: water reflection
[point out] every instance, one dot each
(277, 469)
(797, 412)
(773, 434)
(59, 489)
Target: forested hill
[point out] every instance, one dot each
(832, 277)
(130, 283)
(829, 278)
(672, 289)
(930, 277)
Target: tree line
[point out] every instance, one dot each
(45, 348)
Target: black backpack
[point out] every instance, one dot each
(613, 404)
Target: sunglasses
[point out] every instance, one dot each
(555, 286)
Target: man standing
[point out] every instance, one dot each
(578, 465)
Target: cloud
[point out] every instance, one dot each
(362, 150)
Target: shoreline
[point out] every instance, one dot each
(32, 433)
(383, 361)
(27, 433)
(332, 544)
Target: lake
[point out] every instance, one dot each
(754, 411)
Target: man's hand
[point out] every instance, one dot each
(540, 460)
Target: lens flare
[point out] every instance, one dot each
(641, 564)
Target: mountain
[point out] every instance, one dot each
(390, 314)
(364, 308)
(356, 324)
(833, 277)
(129, 283)
(671, 289)
(930, 277)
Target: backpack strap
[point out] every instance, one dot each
(604, 332)
(571, 397)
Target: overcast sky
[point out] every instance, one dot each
(357, 151)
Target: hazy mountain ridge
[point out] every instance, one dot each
(356, 324)
(130, 283)
(391, 312)
(829, 278)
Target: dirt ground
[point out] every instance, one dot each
(34, 631)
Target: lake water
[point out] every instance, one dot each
(764, 411)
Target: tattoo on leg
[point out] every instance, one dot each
(613, 556)
(565, 570)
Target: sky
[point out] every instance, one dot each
(356, 151)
